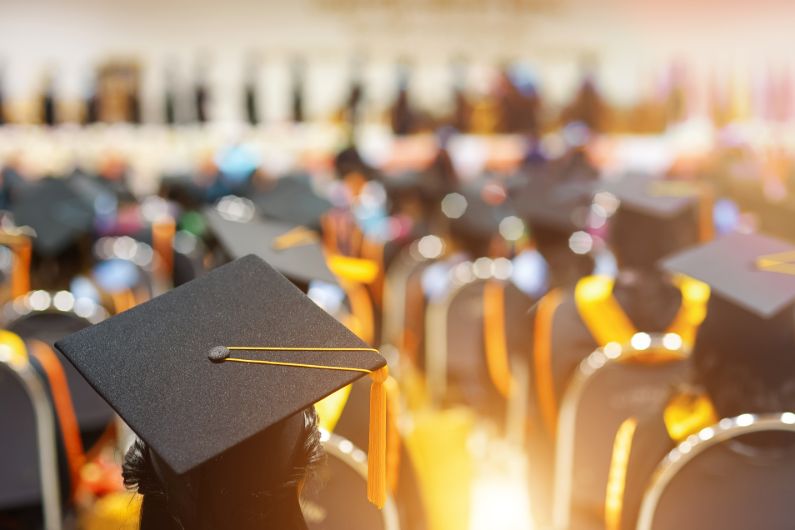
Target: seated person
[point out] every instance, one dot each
(742, 363)
(571, 323)
(222, 399)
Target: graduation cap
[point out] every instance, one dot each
(554, 203)
(479, 219)
(292, 200)
(655, 197)
(293, 250)
(664, 199)
(56, 211)
(236, 353)
(753, 271)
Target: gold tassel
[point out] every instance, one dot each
(393, 434)
(376, 454)
(163, 231)
(706, 224)
(20, 277)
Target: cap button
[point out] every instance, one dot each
(218, 354)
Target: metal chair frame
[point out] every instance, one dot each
(567, 418)
(47, 447)
(397, 277)
(436, 363)
(22, 307)
(344, 450)
(725, 430)
(436, 338)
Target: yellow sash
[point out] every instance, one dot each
(16, 353)
(687, 414)
(607, 322)
(617, 476)
(542, 357)
(495, 341)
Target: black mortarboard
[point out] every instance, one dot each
(58, 214)
(753, 271)
(479, 218)
(292, 200)
(293, 250)
(553, 203)
(653, 196)
(233, 354)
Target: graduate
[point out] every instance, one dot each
(742, 363)
(570, 323)
(221, 398)
(63, 221)
(296, 252)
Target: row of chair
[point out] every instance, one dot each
(612, 384)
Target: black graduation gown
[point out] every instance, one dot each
(571, 342)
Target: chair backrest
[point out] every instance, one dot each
(404, 266)
(28, 436)
(437, 337)
(336, 499)
(467, 374)
(717, 479)
(609, 386)
(40, 315)
(456, 361)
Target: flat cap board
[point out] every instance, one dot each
(656, 197)
(754, 271)
(151, 362)
(303, 261)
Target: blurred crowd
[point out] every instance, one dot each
(573, 304)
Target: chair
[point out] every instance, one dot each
(407, 264)
(49, 317)
(337, 497)
(714, 480)
(609, 386)
(470, 359)
(29, 459)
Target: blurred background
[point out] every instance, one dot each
(428, 146)
(636, 51)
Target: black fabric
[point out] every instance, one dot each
(738, 277)
(571, 342)
(653, 196)
(731, 487)
(480, 222)
(336, 499)
(650, 444)
(56, 211)
(639, 240)
(93, 413)
(303, 262)
(353, 425)
(743, 362)
(550, 203)
(617, 392)
(467, 372)
(20, 484)
(291, 199)
(151, 362)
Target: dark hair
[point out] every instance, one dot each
(639, 240)
(745, 363)
(252, 503)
